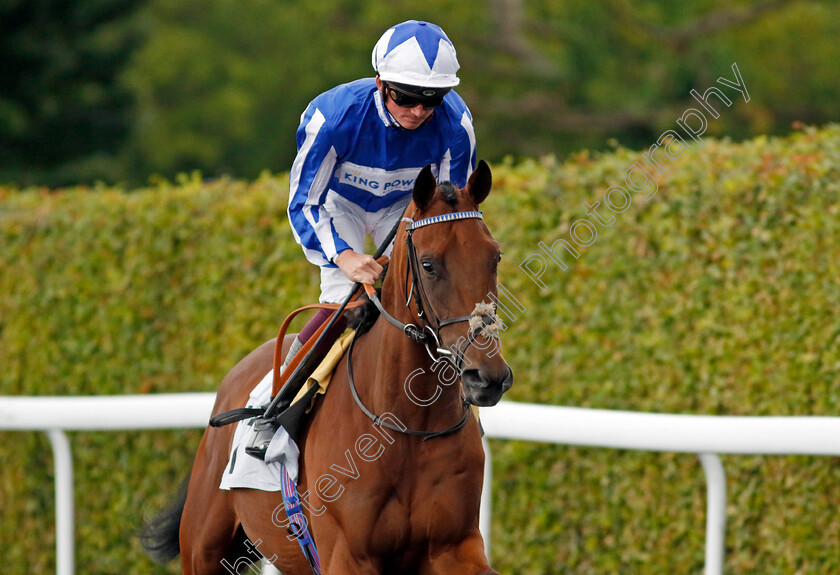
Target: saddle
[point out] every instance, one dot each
(316, 383)
(288, 405)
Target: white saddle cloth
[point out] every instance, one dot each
(245, 471)
(249, 472)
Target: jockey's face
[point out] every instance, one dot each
(409, 118)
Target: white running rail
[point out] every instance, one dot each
(706, 436)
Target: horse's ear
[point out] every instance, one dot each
(480, 182)
(424, 188)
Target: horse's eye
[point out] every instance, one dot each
(428, 268)
(500, 256)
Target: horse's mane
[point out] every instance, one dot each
(362, 318)
(448, 193)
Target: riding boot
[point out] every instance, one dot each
(264, 428)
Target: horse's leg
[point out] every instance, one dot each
(208, 524)
(464, 558)
(263, 517)
(339, 560)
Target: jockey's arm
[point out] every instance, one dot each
(309, 217)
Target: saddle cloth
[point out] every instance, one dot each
(244, 471)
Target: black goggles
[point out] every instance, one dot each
(406, 97)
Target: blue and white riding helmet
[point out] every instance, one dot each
(416, 53)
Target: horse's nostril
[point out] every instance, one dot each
(486, 388)
(472, 377)
(508, 382)
(479, 379)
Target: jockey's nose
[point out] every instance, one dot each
(419, 111)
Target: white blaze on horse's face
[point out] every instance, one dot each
(456, 264)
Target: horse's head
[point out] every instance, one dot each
(446, 265)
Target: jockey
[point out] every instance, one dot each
(360, 148)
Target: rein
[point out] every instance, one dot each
(428, 335)
(377, 420)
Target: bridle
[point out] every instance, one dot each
(429, 334)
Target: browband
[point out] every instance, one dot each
(412, 225)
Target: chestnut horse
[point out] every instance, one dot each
(377, 500)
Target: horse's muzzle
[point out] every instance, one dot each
(483, 390)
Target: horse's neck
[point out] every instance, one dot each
(400, 380)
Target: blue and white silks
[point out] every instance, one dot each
(350, 146)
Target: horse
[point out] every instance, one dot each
(392, 462)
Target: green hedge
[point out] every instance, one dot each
(717, 296)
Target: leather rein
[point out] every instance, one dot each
(428, 335)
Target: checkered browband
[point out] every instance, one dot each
(412, 225)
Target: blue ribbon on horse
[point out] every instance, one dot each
(294, 512)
